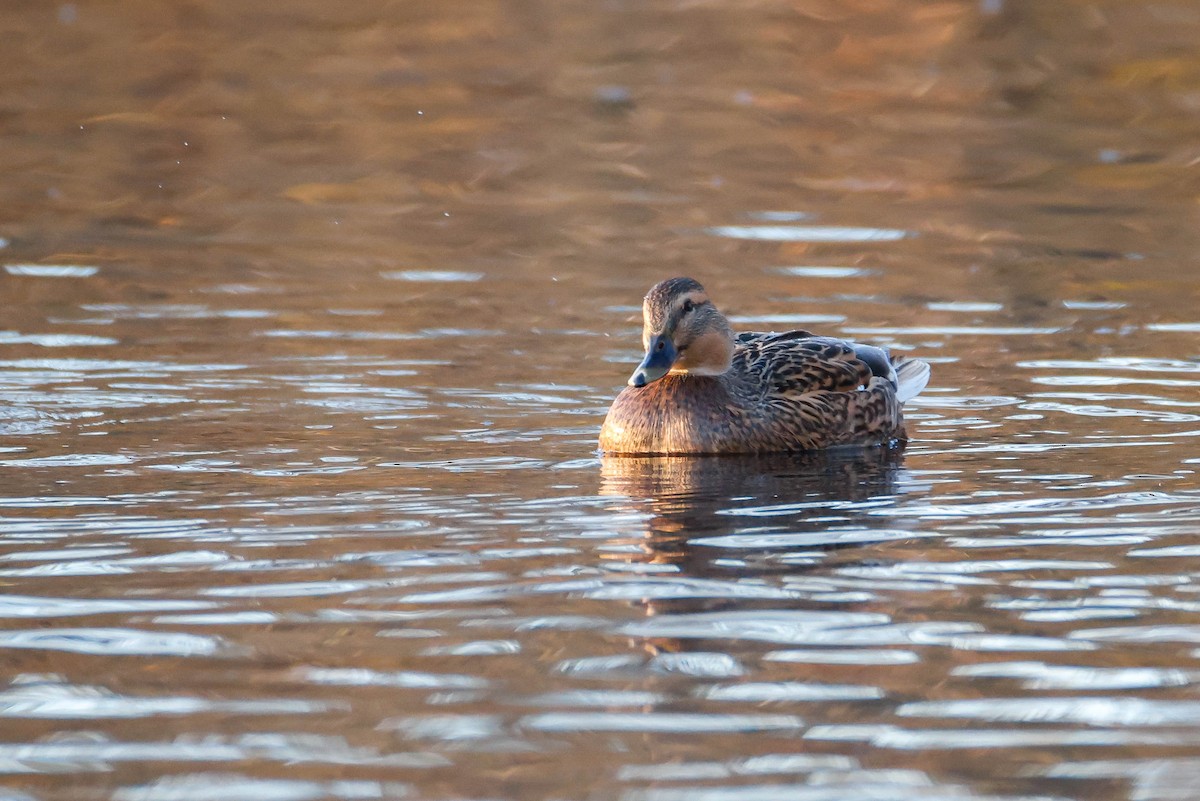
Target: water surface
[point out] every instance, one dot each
(311, 316)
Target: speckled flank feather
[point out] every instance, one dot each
(783, 392)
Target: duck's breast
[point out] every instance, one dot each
(676, 414)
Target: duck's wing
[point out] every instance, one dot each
(815, 392)
(798, 363)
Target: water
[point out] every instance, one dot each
(311, 316)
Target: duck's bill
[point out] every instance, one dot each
(660, 355)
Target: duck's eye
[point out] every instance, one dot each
(688, 306)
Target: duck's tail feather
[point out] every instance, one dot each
(911, 377)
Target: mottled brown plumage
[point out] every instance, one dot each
(702, 389)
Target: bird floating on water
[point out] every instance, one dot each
(704, 389)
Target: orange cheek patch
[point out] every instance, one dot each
(711, 351)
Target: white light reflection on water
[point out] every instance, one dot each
(820, 271)
(31, 697)
(113, 642)
(436, 276)
(55, 340)
(50, 270)
(1083, 710)
(226, 786)
(1041, 676)
(89, 752)
(808, 233)
(24, 606)
(681, 722)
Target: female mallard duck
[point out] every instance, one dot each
(702, 389)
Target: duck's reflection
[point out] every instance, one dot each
(692, 498)
(733, 518)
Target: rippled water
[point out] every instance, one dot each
(311, 316)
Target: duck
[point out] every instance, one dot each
(703, 389)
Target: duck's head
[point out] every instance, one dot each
(682, 332)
